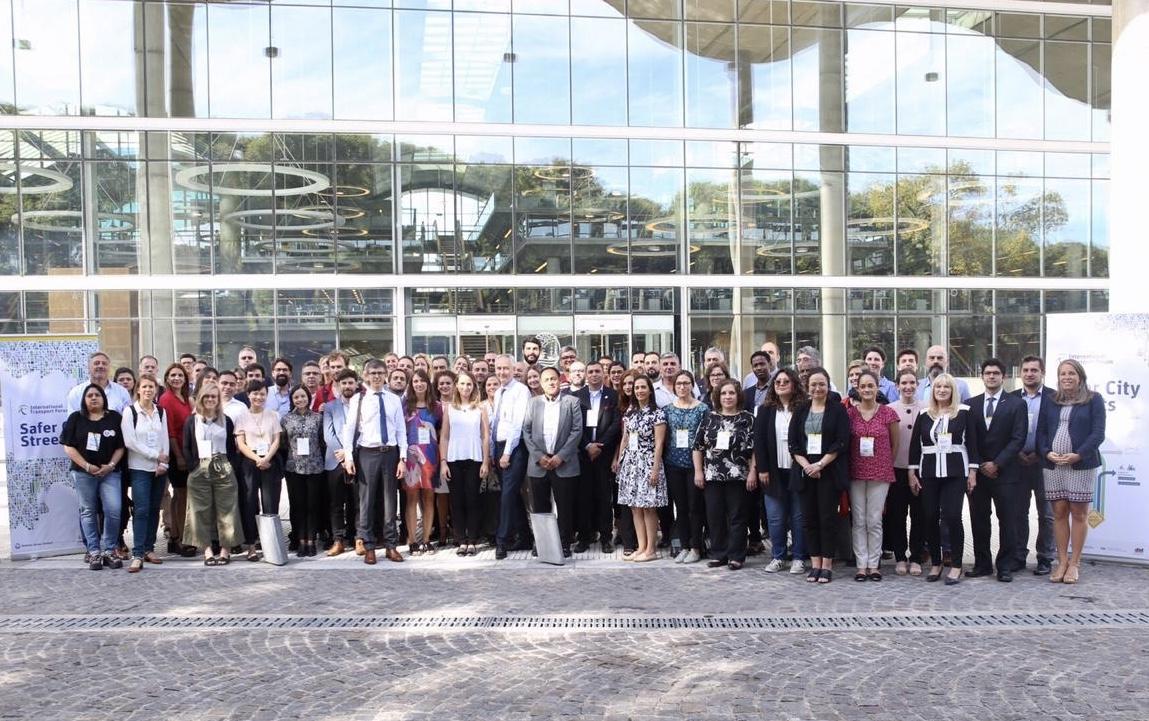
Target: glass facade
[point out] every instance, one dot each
(696, 173)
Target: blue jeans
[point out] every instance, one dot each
(95, 494)
(512, 512)
(786, 507)
(147, 495)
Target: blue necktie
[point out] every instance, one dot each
(989, 408)
(382, 420)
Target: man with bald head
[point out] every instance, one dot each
(937, 362)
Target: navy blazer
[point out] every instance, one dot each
(1005, 437)
(1046, 399)
(609, 421)
(1086, 431)
(835, 439)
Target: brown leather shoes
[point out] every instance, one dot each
(369, 556)
(152, 558)
(394, 555)
(336, 549)
(360, 549)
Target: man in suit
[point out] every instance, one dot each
(552, 430)
(602, 428)
(1033, 392)
(341, 486)
(999, 421)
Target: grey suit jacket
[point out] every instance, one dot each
(566, 440)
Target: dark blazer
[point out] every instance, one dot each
(1046, 399)
(609, 421)
(1086, 431)
(835, 439)
(960, 434)
(748, 394)
(1005, 437)
(766, 452)
(191, 448)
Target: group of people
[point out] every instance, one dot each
(429, 453)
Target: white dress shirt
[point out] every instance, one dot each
(145, 437)
(510, 411)
(551, 410)
(368, 429)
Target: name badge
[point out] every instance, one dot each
(203, 448)
(93, 442)
(681, 438)
(592, 417)
(814, 444)
(866, 446)
(722, 441)
(632, 442)
(424, 435)
(261, 448)
(945, 442)
(302, 446)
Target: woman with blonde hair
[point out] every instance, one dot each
(1070, 431)
(465, 445)
(943, 466)
(213, 495)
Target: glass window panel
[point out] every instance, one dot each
(426, 148)
(871, 159)
(669, 9)
(767, 227)
(818, 65)
(963, 161)
(1019, 89)
(971, 301)
(485, 224)
(9, 231)
(1016, 25)
(1099, 301)
(1017, 302)
(712, 154)
(871, 16)
(541, 151)
(1063, 27)
(363, 198)
(711, 75)
(427, 218)
(483, 149)
(712, 301)
(1066, 219)
(361, 63)
(11, 313)
(596, 7)
(916, 332)
(47, 57)
(870, 82)
(294, 305)
(544, 301)
(119, 196)
(1019, 162)
(757, 330)
(239, 61)
(969, 225)
(767, 155)
(108, 69)
(483, 62)
(52, 223)
(865, 331)
(304, 339)
(423, 87)
(184, 42)
(1102, 29)
(711, 222)
(1065, 301)
(771, 12)
(543, 216)
(815, 194)
(308, 227)
(1100, 83)
(920, 19)
(542, 7)
(764, 53)
(1099, 238)
(969, 84)
(916, 301)
(1017, 337)
(599, 151)
(654, 71)
(716, 10)
(1019, 226)
(820, 14)
(654, 299)
(602, 300)
(301, 62)
(7, 77)
(1068, 165)
(433, 336)
(656, 152)
(970, 341)
(233, 334)
(365, 305)
(871, 226)
(598, 71)
(599, 220)
(248, 304)
(921, 213)
(922, 76)
(921, 160)
(542, 69)
(654, 217)
(1066, 72)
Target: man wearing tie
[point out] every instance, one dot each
(999, 423)
(552, 430)
(510, 455)
(594, 497)
(1033, 392)
(376, 431)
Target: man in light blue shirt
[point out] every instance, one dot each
(937, 362)
(98, 369)
(279, 394)
(875, 358)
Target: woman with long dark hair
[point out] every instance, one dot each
(303, 469)
(424, 421)
(774, 465)
(176, 402)
(93, 441)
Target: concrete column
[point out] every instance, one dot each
(832, 230)
(1129, 156)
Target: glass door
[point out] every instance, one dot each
(603, 335)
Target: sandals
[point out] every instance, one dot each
(1058, 574)
(812, 574)
(1071, 574)
(222, 560)
(900, 568)
(825, 575)
(875, 575)
(915, 569)
(252, 554)
(210, 561)
(860, 576)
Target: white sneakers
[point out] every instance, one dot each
(681, 556)
(796, 566)
(692, 556)
(776, 565)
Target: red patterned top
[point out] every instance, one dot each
(880, 465)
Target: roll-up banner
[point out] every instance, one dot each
(36, 373)
(1114, 350)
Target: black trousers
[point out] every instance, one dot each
(378, 496)
(820, 514)
(1005, 498)
(899, 501)
(624, 522)
(541, 488)
(942, 499)
(726, 506)
(259, 492)
(466, 508)
(689, 505)
(755, 514)
(1032, 481)
(342, 504)
(305, 493)
(594, 498)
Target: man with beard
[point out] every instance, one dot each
(531, 350)
(343, 499)
(336, 363)
(1034, 392)
(279, 397)
(755, 391)
(937, 362)
(480, 369)
(576, 377)
(650, 366)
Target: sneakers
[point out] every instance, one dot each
(692, 556)
(776, 565)
(796, 566)
(95, 562)
(112, 561)
(681, 556)
(137, 565)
